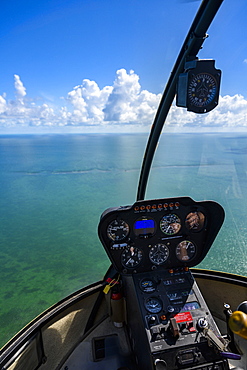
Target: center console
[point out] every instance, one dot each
(152, 244)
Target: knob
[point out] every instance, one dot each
(151, 320)
(170, 309)
(160, 364)
(202, 323)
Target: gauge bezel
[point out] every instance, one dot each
(183, 258)
(138, 261)
(142, 220)
(110, 235)
(150, 288)
(158, 246)
(199, 224)
(153, 310)
(208, 84)
(169, 223)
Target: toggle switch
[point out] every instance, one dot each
(190, 327)
(174, 327)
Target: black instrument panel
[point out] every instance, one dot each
(160, 233)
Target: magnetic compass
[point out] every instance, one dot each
(198, 87)
(202, 90)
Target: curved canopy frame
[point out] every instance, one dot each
(190, 48)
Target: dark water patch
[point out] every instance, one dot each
(8, 295)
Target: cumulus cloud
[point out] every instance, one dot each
(127, 103)
(3, 104)
(124, 102)
(19, 88)
(230, 113)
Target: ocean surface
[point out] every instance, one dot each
(53, 189)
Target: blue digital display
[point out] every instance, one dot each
(144, 224)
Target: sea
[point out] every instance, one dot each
(53, 189)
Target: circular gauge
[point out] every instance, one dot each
(117, 230)
(195, 221)
(153, 305)
(202, 89)
(158, 254)
(170, 224)
(144, 227)
(148, 285)
(131, 257)
(185, 251)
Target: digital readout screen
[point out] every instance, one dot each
(144, 224)
(144, 227)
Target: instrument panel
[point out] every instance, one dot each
(159, 233)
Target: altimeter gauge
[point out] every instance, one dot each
(158, 254)
(117, 230)
(131, 257)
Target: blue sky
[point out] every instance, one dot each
(101, 65)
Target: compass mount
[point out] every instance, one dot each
(198, 87)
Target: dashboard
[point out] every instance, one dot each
(160, 233)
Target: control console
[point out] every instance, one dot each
(152, 244)
(176, 320)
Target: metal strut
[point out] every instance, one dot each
(191, 46)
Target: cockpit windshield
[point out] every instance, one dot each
(80, 86)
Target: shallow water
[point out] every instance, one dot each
(54, 189)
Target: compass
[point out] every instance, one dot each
(202, 90)
(198, 88)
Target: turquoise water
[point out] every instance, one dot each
(54, 189)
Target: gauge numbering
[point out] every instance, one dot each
(117, 230)
(158, 254)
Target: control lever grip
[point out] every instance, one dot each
(220, 344)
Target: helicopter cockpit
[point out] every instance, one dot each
(152, 244)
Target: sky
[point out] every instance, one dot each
(102, 65)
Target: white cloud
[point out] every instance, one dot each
(3, 105)
(231, 113)
(19, 88)
(127, 103)
(91, 108)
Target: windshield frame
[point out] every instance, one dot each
(190, 48)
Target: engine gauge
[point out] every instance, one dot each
(153, 305)
(117, 230)
(158, 254)
(170, 224)
(131, 257)
(185, 251)
(148, 285)
(195, 221)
